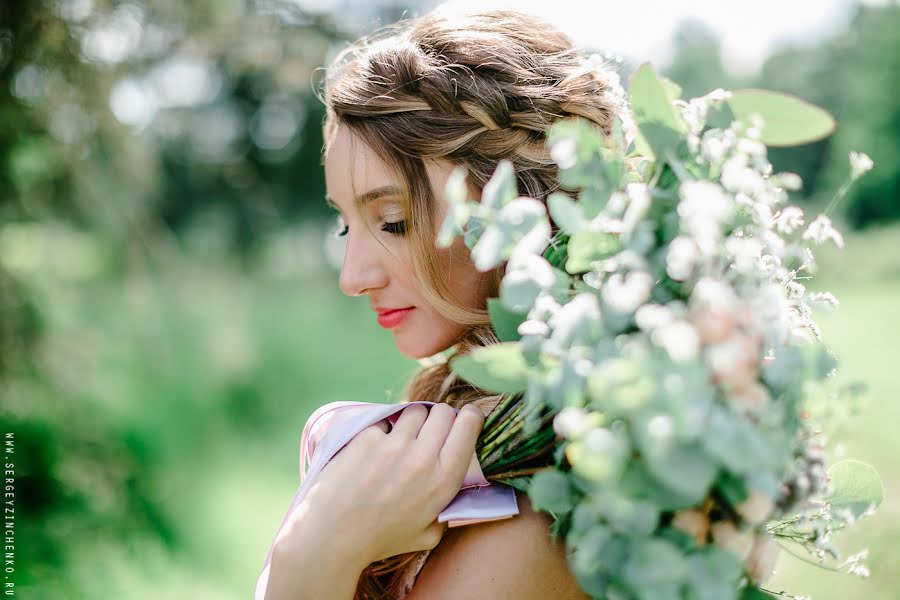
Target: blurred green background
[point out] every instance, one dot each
(169, 309)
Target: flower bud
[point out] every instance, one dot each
(714, 325)
(760, 564)
(726, 535)
(752, 397)
(692, 522)
(756, 508)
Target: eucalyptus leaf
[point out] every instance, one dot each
(500, 188)
(736, 444)
(655, 563)
(474, 228)
(587, 246)
(685, 469)
(490, 248)
(715, 573)
(565, 212)
(505, 322)
(550, 491)
(526, 277)
(855, 485)
(787, 120)
(660, 124)
(497, 368)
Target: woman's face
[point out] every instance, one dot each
(378, 263)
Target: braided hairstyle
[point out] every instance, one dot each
(470, 89)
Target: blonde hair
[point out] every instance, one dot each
(471, 89)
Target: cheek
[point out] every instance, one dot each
(466, 282)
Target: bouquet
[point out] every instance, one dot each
(658, 359)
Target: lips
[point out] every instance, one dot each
(393, 317)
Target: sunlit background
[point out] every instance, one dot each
(169, 309)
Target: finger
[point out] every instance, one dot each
(434, 432)
(457, 451)
(410, 421)
(383, 425)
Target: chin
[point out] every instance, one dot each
(417, 351)
(421, 348)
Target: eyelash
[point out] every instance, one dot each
(396, 228)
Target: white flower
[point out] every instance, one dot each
(679, 339)
(821, 230)
(681, 256)
(717, 95)
(625, 293)
(714, 145)
(652, 316)
(738, 177)
(704, 200)
(794, 289)
(569, 421)
(824, 300)
(787, 180)
(714, 293)
(533, 327)
(745, 253)
(860, 164)
(789, 220)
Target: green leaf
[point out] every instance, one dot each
(684, 469)
(587, 246)
(550, 492)
(488, 251)
(506, 322)
(474, 229)
(655, 562)
(736, 444)
(673, 90)
(600, 458)
(501, 188)
(660, 124)
(519, 483)
(719, 116)
(498, 368)
(854, 485)
(527, 275)
(565, 212)
(714, 574)
(788, 120)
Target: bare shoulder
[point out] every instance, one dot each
(503, 560)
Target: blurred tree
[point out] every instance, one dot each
(124, 123)
(849, 74)
(697, 59)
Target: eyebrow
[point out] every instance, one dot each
(374, 194)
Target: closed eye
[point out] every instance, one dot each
(395, 227)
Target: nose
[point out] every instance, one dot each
(363, 269)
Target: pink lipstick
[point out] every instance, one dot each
(392, 318)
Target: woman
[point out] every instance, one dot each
(402, 112)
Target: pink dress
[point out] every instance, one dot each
(332, 426)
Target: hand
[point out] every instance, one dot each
(381, 494)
